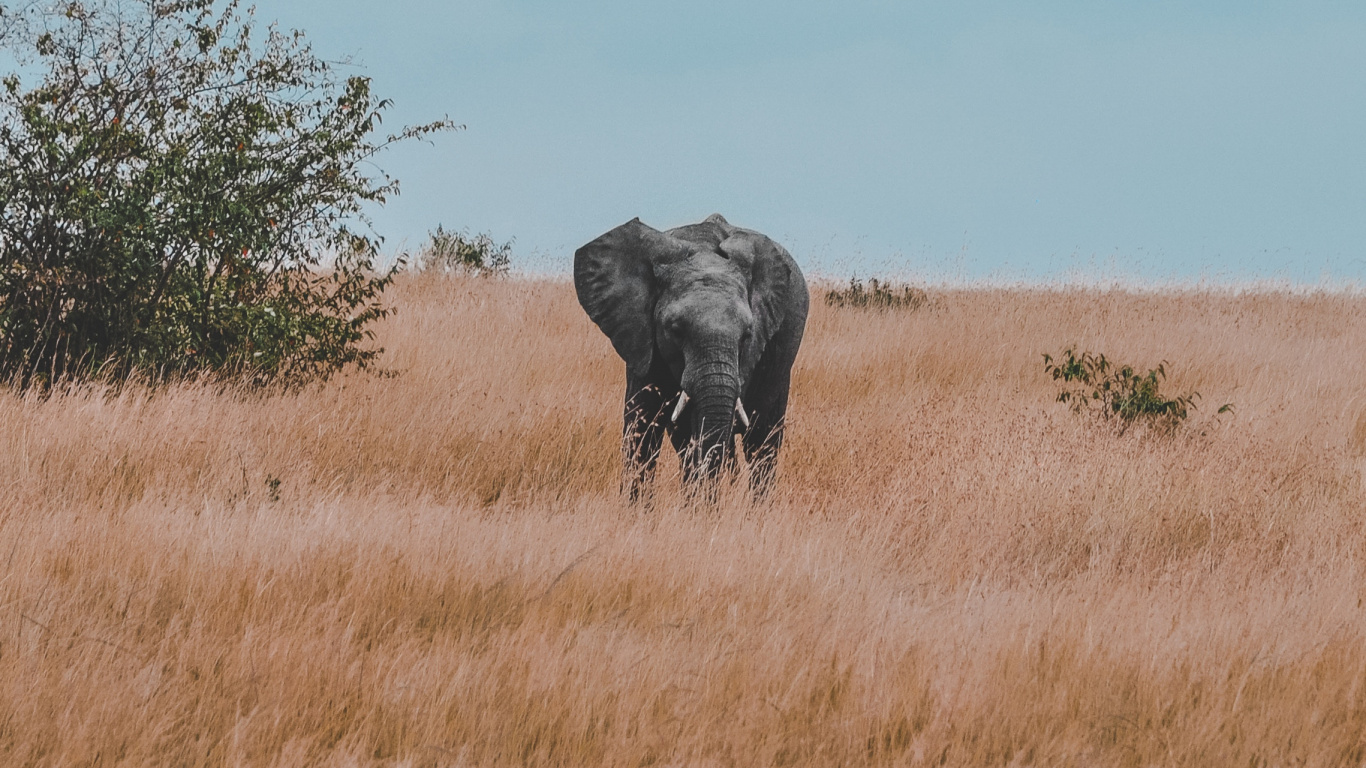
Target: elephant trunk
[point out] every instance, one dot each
(716, 385)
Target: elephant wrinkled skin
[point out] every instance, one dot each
(708, 318)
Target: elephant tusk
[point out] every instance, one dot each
(678, 409)
(740, 411)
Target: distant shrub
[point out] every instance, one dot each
(878, 295)
(461, 253)
(1119, 392)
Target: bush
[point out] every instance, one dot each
(458, 252)
(178, 197)
(877, 295)
(1119, 392)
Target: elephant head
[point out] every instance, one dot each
(693, 312)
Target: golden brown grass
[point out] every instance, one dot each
(436, 568)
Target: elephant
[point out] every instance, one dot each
(708, 318)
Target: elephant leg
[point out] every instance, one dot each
(642, 437)
(767, 409)
(732, 462)
(698, 488)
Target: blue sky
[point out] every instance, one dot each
(1224, 140)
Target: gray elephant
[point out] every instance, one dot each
(708, 318)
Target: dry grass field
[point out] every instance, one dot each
(435, 567)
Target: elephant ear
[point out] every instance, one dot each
(770, 285)
(615, 282)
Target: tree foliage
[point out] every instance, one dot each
(465, 254)
(878, 295)
(180, 193)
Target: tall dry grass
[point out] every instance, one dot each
(435, 567)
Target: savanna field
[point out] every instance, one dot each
(434, 566)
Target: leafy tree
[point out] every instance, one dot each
(181, 194)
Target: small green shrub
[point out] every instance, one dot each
(878, 295)
(1119, 392)
(461, 253)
